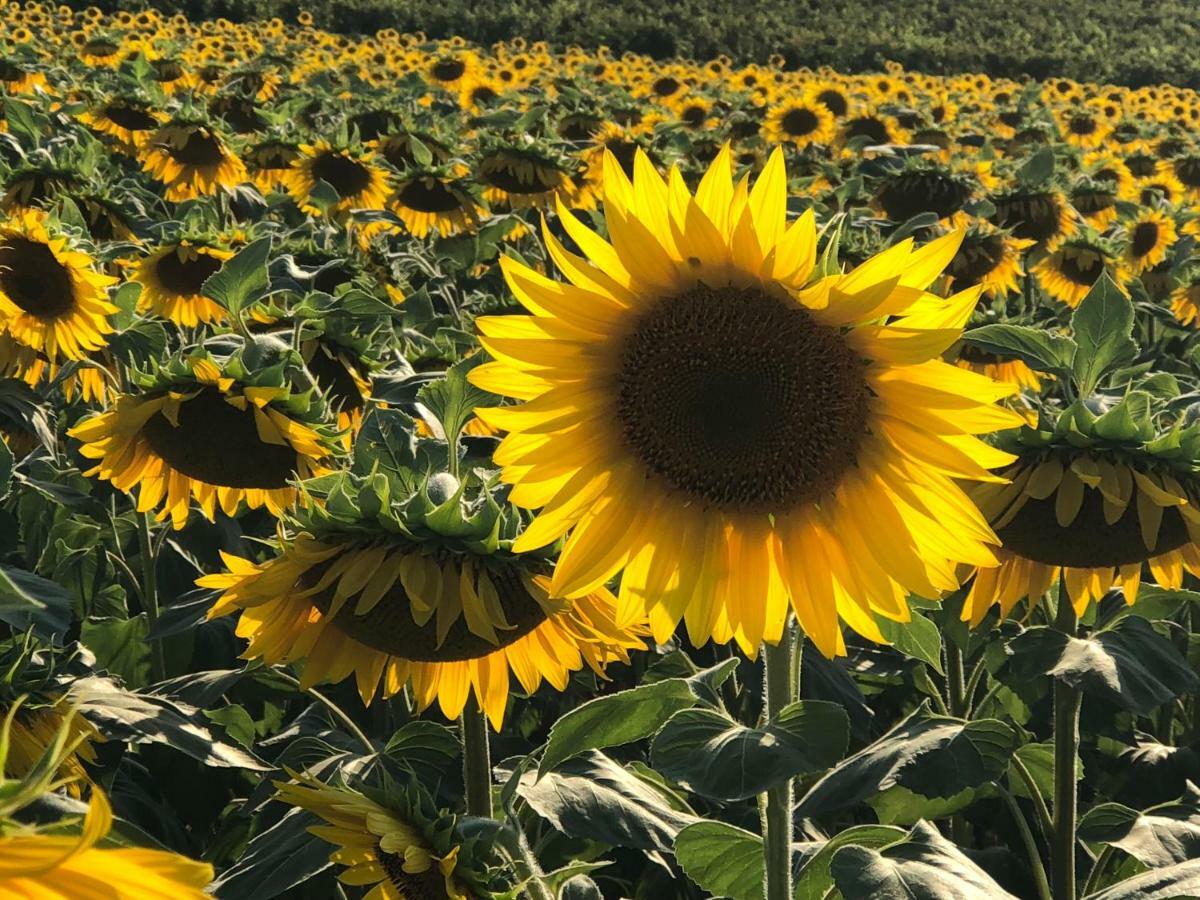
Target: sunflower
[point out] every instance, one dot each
(191, 160)
(1096, 201)
(129, 121)
(172, 279)
(1185, 299)
(395, 840)
(359, 183)
(515, 178)
(343, 379)
(386, 611)
(271, 164)
(800, 121)
(51, 299)
(1095, 517)
(1150, 236)
(924, 188)
(989, 258)
(54, 865)
(206, 438)
(1044, 216)
(428, 201)
(701, 400)
(1069, 272)
(33, 727)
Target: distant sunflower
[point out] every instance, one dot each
(271, 165)
(33, 864)
(128, 121)
(799, 121)
(359, 183)
(1096, 201)
(51, 298)
(707, 412)
(523, 179)
(210, 440)
(1185, 300)
(426, 201)
(1149, 237)
(191, 160)
(388, 612)
(1010, 371)
(1042, 216)
(991, 259)
(1069, 272)
(342, 378)
(172, 278)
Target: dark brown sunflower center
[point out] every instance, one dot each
(219, 444)
(578, 129)
(167, 70)
(448, 69)
(833, 101)
(1090, 202)
(694, 116)
(506, 178)
(336, 381)
(185, 277)
(10, 71)
(978, 356)
(100, 48)
(868, 127)
(741, 400)
(799, 122)
(389, 626)
(129, 117)
(625, 153)
(1034, 217)
(273, 157)
(429, 196)
(976, 259)
(34, 279)
(201, 149)
(1012, 117)
(1144, 238)
(1142, 165)
(1187, 170)
(1082, 125)
(1081, 266)
(666, 86)
(427, 885)
(912, 193)
(1088, 542)
(347, 176)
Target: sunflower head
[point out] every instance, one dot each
(990, 257)
(191, 159)
(350, 170)
(522, 177)
(1070, 271)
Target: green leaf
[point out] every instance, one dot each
(276, 860)
(1160, 836)
(1039, 762)
(592, 796)
(453, 399)
(1130, 664)
(30, 601)
(242, 279)
(711, 755)
(724, 860)
(1128, 420)
(931, 755)
(120, 646)
(815, 880)
(1036, 347)
(918, 638)
(1172, 883)
(236, 722)
(614, 720)
(1037, 169)
(926, 866)
(1102, 325)
(424, 747)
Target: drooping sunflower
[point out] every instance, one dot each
(1185, 298)
(518, 178)
(1070, 272)
(195, 432)
(52, 300)
(427, 201)
(342, 376)
(1149, 237)
(172, 278)
(191, 160)
(271, 164)
(351, 172)
(395, 840)
(708, 411)
(34, 864)
(1044, 216)
(800, 121)
(129, 121)
(990, 258)
(33, 727)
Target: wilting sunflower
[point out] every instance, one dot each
(191, 160)
(1149, 236)
(352, 173)
(207, 437)
(394, 839)
(37, 865)
(708, 411)
(799, 121)
(1069, 272)
(51, 298)
(129, 121)
(1042, 216)
(426, 201)
(172, 278)
(271, 165)
(515, 178)
(989, 258)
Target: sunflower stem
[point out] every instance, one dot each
(777, 839)
(1067, 701)
(1031, 846)
(477, 762)
(149, 559)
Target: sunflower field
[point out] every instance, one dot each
(434, 472)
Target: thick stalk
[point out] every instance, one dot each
(957, 707)
(1067, 701)
(477, 761)
(777, 840)
(158, 659)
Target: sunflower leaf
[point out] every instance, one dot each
(1037, 348)
(1162, 835)
(242, 279)
(724, 860)
(1102, 325)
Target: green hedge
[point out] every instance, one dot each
(1118, 41)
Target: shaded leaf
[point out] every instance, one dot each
(815, 880)
(1159, 836)
(724, 860)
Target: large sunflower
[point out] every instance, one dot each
(191, 160)
(1150, 236)
(208, 438)
(359, 183)
(51, 299)
(427, 201)
(990, 258)
(172, 278)
(733, 426)
(1069, 273)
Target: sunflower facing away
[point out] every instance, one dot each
(734, 427)
(172, 279)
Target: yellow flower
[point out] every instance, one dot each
(172, 278)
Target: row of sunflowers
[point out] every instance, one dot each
(354, 385)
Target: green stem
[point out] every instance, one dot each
(973, 687)
(777, 840)
(1031, 847)
(1098, 867)
(158, 659)
(477, 763)
(1067, 701)
(1045, 820)
(340, 714)
(956, 705)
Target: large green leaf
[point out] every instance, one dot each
(918, 638)
(1038, 348)
(1130, 664)
(276, 860)
(121, 647)
(30, 601)
(815, 880)
(1159, 836)
(724, 860)
(926, 866)
(616, 719)
(453, 399)
(710, 754)
(592, 796)
(1102, 324)
(931, 755)
(1177, 882)
(243, 277)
